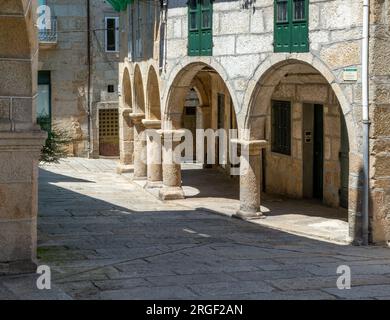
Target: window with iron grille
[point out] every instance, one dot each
(281, 127)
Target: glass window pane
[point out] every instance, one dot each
(43, 106)
(205, 3)
(206, 21)
(111, 33)
(281, 11)
(299, 10)
(193, 4)
(193, 22)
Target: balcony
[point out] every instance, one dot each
(48, 37)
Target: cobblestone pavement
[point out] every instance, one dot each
(106, 238)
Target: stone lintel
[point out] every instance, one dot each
(151, 124)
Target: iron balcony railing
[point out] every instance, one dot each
(49, 35)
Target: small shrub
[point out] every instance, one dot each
(56, 143)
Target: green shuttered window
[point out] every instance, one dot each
(281, 127)
(200, 26)
(291, 26)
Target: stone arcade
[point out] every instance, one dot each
(295, 97)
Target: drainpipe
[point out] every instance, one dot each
(366, 120)
(89, 76)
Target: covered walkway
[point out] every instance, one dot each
(209, 189)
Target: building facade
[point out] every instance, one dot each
(286, 73)
(78, 66)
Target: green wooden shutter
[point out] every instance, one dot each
(206, 38)
(282, 33)
(299, 29)
(193, 27)
(200, 38)
(291, 32)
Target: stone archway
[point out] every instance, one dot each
(153, 96)
(137, 116)
(180, 81)
(139, 96)
(20, 138)
(304, 86)
(216, 101)
(126, 131)
(152, 123)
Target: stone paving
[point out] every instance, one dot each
(106, 238)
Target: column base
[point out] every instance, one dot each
(124, 168)
(245, 215)
(139, 178)
(154, 185)
(18, 267)
(171, 193)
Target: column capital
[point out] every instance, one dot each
(254, 146)
(126, 112)
(137, 117)
(151, 124)
(175, 134)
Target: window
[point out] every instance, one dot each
(110, 88)
(44, 101)
(281, 127)
(112, 34)
(291, 26)
(200, 24)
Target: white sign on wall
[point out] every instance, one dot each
(350, 74)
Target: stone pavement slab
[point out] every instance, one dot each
(105, 237)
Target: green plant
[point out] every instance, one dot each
(56, 144)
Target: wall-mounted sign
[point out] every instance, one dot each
(350, 74)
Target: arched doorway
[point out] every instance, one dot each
(306, 124)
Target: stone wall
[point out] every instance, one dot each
(284, 174)
(380, 119)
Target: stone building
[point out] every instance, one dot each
(78, 69)
(289, 71)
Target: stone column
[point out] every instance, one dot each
(126, 141)
(154, 161)
(172, 188)
(203, 121)
(250, 179)
(140, 152)
(21, 139)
